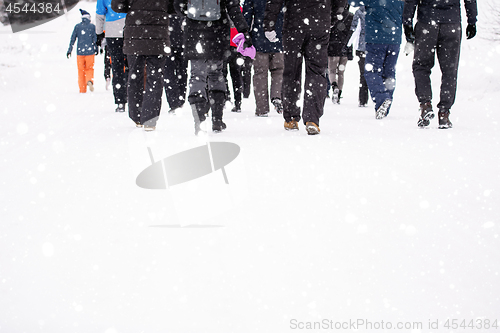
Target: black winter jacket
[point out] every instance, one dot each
(209, 40)
(253, 11)
(302, 14)
(340, 35)
(439, 11)
(146, 26)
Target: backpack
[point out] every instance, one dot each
(204, 10)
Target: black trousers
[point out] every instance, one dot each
(363, 87)
(313, 47)
(120, 69)
(175, 78)
(443, 40)
(246, 76)
(144, 98)
(235, 62)
(107, 64)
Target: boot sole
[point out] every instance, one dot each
(426, 121)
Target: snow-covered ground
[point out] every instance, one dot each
(370, 220)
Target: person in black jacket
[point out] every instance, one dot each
(438, 31)
(146, 44)
(306, 31)
(206, 45)
(339, 53)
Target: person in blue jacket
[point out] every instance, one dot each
(269, 58)
(113, 22)
(384, 26)
(86, 49)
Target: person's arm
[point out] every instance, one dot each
(180, 7)
(471, 11)
(120, 6)
(248, 12)
(409, 11)
(273, 8)
(100, 16)
(235, 14)
(72, 41)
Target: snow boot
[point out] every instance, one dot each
(261, 114)
(291, 125)
(444, 119)
(90, 84)
(312, 128)
(426, 114)
(217, 101)
(108, 82)
(278, 105)
(237, 107)
(383, 109)
(120, 107)
(335, 95)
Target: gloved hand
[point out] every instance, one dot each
(271, 35)
(409, 34)
(248, 40)
(96, 50)
(470, 32)
(68, 55)
(100, 37)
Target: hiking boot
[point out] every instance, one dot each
(138, 124)
(120, 107)
(237, 107)
(426, 114)
(218, 125)
(261, 114)
(149, 128)
(336, 95)
(278, 105)
(90, 85)
(108, 83)
(444, 119)
(291, 125)
(312, 128)
(383, 109)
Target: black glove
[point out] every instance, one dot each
(68, 55)
(100, 37)
(248, 40)
(470, 32)
(409, 33)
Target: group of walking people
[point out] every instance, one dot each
(150, 43)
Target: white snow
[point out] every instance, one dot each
(372, 220)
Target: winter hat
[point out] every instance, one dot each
(85, 14)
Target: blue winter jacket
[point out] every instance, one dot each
(383, 21)
(87, 38)
(253, 11)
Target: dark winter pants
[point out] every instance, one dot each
(120, 69)
(175, 78)
(265, 63)
(380, 71)
(444, 40)
(363, 87)
(311, 45)
(107, 64)
(235, 62)
(246, 76)
(144, 101)
(206, 75)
